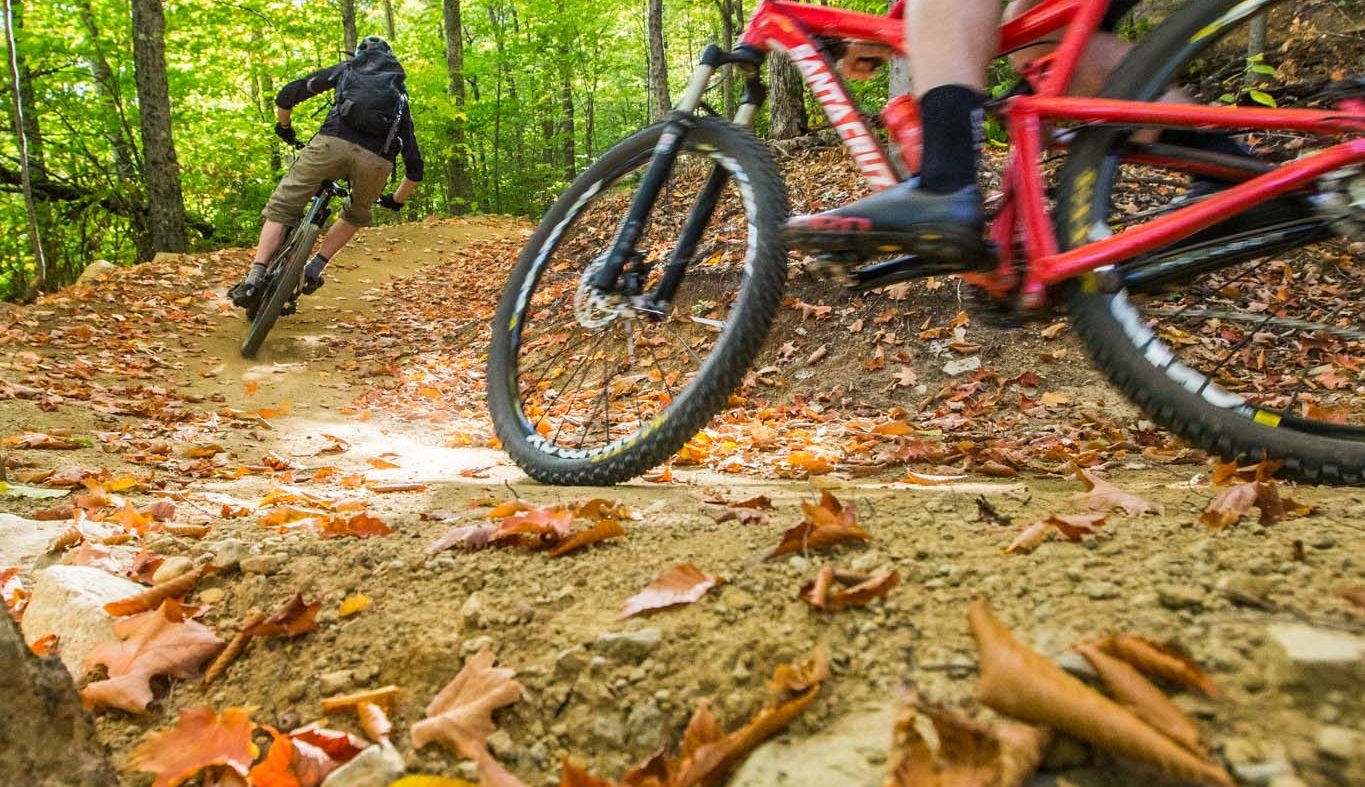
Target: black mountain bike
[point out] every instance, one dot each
(284, 276)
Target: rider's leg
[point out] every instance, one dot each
(272, 235)
(950, 42)
(367, 172)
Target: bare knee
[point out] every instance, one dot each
(1026, 55)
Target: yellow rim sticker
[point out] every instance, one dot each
(1266, 418)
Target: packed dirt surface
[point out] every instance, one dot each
(378, 377)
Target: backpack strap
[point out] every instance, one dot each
(397, 121)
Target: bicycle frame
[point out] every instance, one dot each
(792, 28)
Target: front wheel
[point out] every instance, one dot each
(283, 286)
(591, 389)
(1247, 343)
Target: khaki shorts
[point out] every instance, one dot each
(330, 158)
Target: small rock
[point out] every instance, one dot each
(1180, 597)
(962, 365)
(1314, 658)
(799, 563)
(1261, 774)
(335, 681)
(500, 743)
(69, 601)
(866, 562)
(631, 645)
(609, 729)
(570, 662)
(293, 692)
(1099, 590)
(471, 613)
(1341, 743)
(472, 646)
(1325, 543)
(228, 553)
(171, 568)
(377, 766)
(645, 723)
(211, 595)
(262, 564)
(95, 271)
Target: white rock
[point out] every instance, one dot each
(95, 271)
(23, 541)
(171, 568)
(69, 601)
(1341, 743)
(962, 365)
(1300, 655)
(377, 766)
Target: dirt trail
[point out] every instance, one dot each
(1218, 596)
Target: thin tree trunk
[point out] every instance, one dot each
(1256, 35)
(566, 127)
(659, 101)
(787, 107)
(161, 170)
(727, 40)
(459, 190)
(388, 19)
(348, 33)
(21, 126)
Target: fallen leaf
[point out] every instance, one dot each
(1237, 501)
(235, 647)
(304, 757)
(294, 619)
(1159, 661)
(1054, 330)
(381, 464)
(32, 492)
(203, 738)
(12, 592)
(603, 530)
(154, 643)
(1100, 495)
(682, 584)
(40, 440)
(924, 479)
(822, 594)
(1073, 527)
(1149, 703)
(360, 525)
(601, 508)
(1018, 682)
(152, 597)
(460, 716)
(353, 605)
(381, 697)
(827, 524)
(373, 721)
(1355, 595)
(745, 516)
(536, 528)
(465, 537)
(963, 752)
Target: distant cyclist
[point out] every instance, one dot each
(368, 127)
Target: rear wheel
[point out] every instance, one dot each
(282, 287)
(591, 390)
(1260, 357)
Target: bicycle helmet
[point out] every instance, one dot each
(372, 42)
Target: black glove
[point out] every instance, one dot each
(387, 201)
(288, 134)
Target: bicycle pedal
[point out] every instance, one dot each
(289, 308)
(833, 267)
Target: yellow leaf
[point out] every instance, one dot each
(354, 604)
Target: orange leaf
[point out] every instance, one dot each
(827, 524)
(294, 619)
(821, 594)
(203, 738)
(1018, 682)
(535, 528)
(250, 388)
(381, 464)
(1159, 661)
(373, 720)
(893, 428)
(465, 537)
(965, 753)
(152, 597)
(600, 508)
(354, 605)
(460, 717)
(154, 643)
(1235, 502)
(361, 525)
(1100, 495)
(12, 591)
(682, 584)
(923, 479)
(603, 530)
(381, 697)
(1144, 699)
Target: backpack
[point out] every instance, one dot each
(370, 96)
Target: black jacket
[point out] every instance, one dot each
(321, 81)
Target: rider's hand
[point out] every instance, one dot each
(288, 134)
(387, 201)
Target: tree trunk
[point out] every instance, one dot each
(21, 134)
(46, 739)
(566, 125)
(459, 190)
(1256, 48)
(388, 19)
(727, 40)
(787, 107)
(659, 101)
(349, 36)
(160, 169)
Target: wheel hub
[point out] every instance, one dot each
(592, 307)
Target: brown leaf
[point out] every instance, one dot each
(967, 753)
(381, 697)
(1018, 682)
(41, 440)
(827, 524)
(536, 528)
(294, 619)
(373, 721)
(821, 593)
(203, 738)
(235, 647)
(1159, 661)
(1144, 699)
(360, 525)
(682, 584)
(1100, 495)
(154, 643)
(12, 592)
(745, 516)
(791, 679)
(603, 530)
(464, 537)
(460, 717)
(1355, 595)
(601, 508)
(1237, 501)
(153, 596)
(1030, 538)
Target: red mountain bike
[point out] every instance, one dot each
(645, 294)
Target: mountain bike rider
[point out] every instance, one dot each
(940, 216)
(367, 128)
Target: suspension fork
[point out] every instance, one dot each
(679, 121)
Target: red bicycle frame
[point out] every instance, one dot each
(791, 27)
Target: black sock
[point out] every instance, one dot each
(953, 122)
